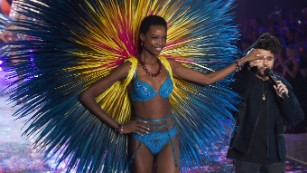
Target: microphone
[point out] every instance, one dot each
(268, 72)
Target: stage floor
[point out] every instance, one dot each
(18, 156)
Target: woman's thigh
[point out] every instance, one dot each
(168, 160)
(143, 159)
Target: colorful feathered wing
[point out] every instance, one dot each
(73, 43)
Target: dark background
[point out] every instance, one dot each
(262, 8)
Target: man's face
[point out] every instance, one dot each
(266, 62)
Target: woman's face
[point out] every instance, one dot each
(154, 40)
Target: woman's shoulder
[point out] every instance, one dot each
(122, 70)
(124, 66)
(170, 62)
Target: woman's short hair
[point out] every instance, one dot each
(152, 20)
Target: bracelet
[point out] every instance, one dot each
(120, 128)
(238, 65)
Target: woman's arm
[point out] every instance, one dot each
(88, 97)
(207, 79)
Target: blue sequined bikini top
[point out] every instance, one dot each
(142, 91)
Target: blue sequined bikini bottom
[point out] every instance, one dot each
(161, 132)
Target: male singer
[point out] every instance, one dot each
(258, 144)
